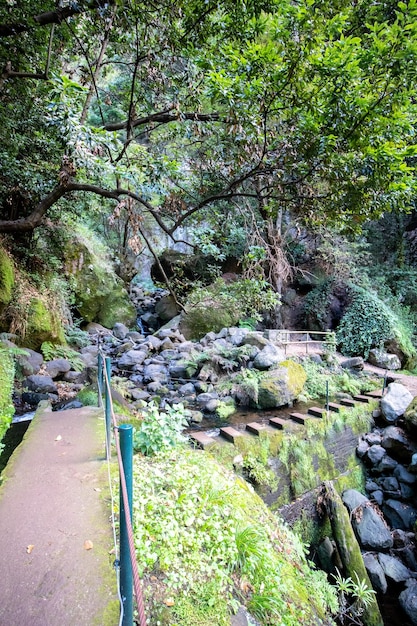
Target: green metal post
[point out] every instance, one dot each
(108, 406)
(100, 378)
(126, 574)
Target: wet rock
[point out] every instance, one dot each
(395, 402)
(404, 476)
(375, 572)
(393, 568)
(362, 448)
(367, 522)
(399, 515)
(398, 444)
(33, 398)
(120, 330)
(408, 601)
(387, 464)
(375, 453)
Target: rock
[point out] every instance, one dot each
(375, 453)
(375, 572)
(181, 369)
(399, 445)
(208, 401)
(367, 522)
(256, 338)
(373, 438)
(93, 328)
(395, 402)
(237, 335)
(40, 384)
(408, 601)
(410, 417)
(72, 404)
(120, 330)
(355, 363)
(155, 373)
(386, 464)
(362, 448)
(413, 465)
(404, 476)
(280, 386)
(269, 356)
(382, 359)
(393, 568)
(166, 308)
(57, 367)
(33, 398)
(195, 416)
(29, 363)
(326, 553)
(399, 515)
(186, 390)
(132, 359)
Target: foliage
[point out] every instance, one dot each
(6, 278)
(6, 389)
(368, 323)
(160, 430)
(196, 525)
(222, 304)
(354, 598)
(316, 306)
(77, 337)
(52, 351)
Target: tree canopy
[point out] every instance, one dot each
(173, 109)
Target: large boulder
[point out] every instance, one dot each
(40, 384)
(367, 522)
(383, 359)
(399, 515)
(399, 445)
(395, 402)
(100, 293)
(408, 601)
(268, 357)
(280, 386)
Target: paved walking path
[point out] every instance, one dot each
(53, 500)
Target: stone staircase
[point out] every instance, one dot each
(229, 433)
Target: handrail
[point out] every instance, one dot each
(283, 338)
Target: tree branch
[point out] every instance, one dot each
(163, 117)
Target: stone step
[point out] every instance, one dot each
(348, 402)
(316, 411)
(201, 439)
(230, 433)
(362, 398)
(334, 406)
(300, 418)
(255, 428)
(376, 393)
(277, 422)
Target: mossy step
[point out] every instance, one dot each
(230, 433)
(277, 422)
(300, 418)
(362, 398)
(255, 428)
(316, 411)
(348, 402)
(201, 439)
(334, 406)
(376, 393)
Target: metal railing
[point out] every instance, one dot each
(284, 337)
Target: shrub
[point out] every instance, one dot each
(369, 322)
(160, 430)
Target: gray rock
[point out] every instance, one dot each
(367, 522)
(211, 399)
(33, 397)
(377, 496)
(383, 359)
(40, 384)
(152, 342)
(77, 378)
(408, 601)
(155, 372)
(398, 443)
(399, 515)
(255, 338)
(390, 483)
(57, 367)
(387, 464)
(404, 476)
(195, 416)
(186, 390)
(393, 568)
(375, 572)
(362, 448)
(374, 454)
(120, 330)
(413, 465)
(181, 369)
(29, 363)
(395, 402)
(269, 356)
(131, 359)
(237, 335)
(355, 363)
(166, 308)
(135, 336)
(373, 438)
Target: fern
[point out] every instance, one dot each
(52, 351)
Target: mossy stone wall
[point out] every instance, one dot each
(7, 278)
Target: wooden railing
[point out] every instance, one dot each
(284, 337)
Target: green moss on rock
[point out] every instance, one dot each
(6, 389)
(43, 324)
(281, 385)
(7, 278)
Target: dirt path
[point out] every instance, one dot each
(52, 499)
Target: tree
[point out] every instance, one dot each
(275, 108)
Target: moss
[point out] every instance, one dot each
(349, 550)
(7, 278)
(43, 324)
(296, 376)
(6, 390)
